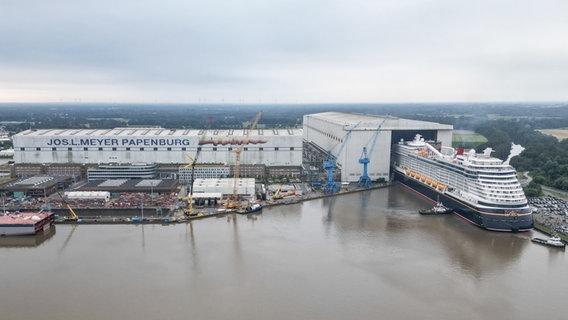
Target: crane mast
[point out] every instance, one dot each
(74, 216)
(330, 186)
(365, 180)
(192, 165)
(233, 202)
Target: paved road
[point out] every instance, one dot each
(549, 191)
(554, 192)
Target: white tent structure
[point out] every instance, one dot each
(88, 195)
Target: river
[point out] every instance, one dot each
(365, 255)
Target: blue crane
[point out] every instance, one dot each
(365, 180)
(330, 186)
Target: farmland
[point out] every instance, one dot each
(559, 134)
(467, 139)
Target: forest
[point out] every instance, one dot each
(16, 117)
(544, 157)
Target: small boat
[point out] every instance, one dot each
(439, 208)
(250, 209)
(555, 241)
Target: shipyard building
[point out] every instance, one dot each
(344, 135)
(147, 153)
(265, 151)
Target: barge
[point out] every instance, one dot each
(26, 223)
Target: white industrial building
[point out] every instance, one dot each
(245, 186)
(269, 147)
(326, 132)
(87, 195)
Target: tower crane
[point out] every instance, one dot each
(233, 202)
(365, 180)
(192, 165)
(189, 211)
(330, 186)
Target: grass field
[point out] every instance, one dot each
(559, 134)
(467, 139)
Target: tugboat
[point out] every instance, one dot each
(439, 208)
(255, 207)
(555, 241)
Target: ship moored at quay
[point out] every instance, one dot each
(25, 223)
(480, 189)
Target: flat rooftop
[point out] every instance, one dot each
(366, 122)
(132, 185)
(157, 132)
(26, 218)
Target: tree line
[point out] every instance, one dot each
(544, 156)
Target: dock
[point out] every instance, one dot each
(134, 216)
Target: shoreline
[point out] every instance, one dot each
(134, 216)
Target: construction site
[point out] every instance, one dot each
(165, 175)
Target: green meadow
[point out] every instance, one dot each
(467, 139)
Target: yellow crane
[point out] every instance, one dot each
(189, 211)
(192, 165)
(233, 202)
(74, 216)
(277, 194)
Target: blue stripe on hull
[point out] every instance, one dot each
(498, 222)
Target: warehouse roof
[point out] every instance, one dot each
(157, 132)
(372, 122)
(132, 185)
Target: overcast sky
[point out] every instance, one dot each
(283, 50)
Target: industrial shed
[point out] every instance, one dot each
(326, 132)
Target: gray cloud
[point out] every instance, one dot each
(384, 50)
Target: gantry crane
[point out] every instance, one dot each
(365, 180)
(330, 186)
(233, 202)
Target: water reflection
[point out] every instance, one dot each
(232, 219)
(478, 251)
(329, 206)
(68, 238)
(391, 215)
(354, 256)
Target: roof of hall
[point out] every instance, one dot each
(372, 122)
(156, 132)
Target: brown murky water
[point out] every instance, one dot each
(360, 256)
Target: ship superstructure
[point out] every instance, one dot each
(482, 189)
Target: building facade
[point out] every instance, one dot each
(132, 171)
(261, 147)
(203, 172)
(327, 132)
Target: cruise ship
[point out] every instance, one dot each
(481, 189)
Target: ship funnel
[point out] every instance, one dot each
(459, 152)
(516, 149)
